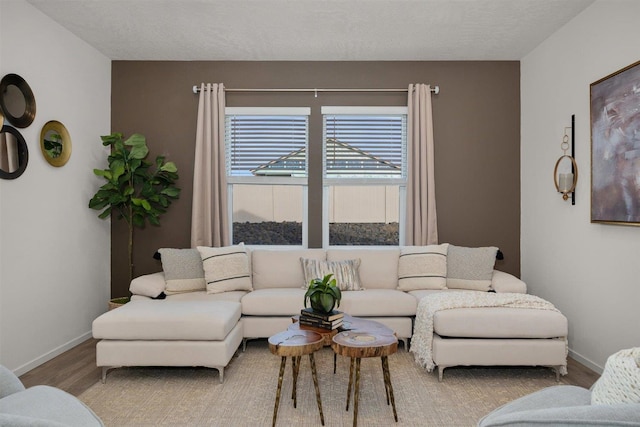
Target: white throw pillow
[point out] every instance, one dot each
(226, 269)
(422, 267)
(620, 381)
(470, 268)
(182, 270)
(345, 272)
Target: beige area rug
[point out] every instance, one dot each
(194, 396)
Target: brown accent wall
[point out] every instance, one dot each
(476, 123)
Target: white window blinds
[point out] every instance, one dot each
(364, 145)
(266, 141)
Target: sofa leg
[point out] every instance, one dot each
(405, 341)
(244, 344)
(104, 374)
(221, 371)
(440, 373)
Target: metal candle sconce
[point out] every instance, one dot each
(566, 181)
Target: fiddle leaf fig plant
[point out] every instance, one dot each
(136, 190)
(323, 294)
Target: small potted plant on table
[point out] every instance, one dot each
(323, 294)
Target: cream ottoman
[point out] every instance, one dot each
(168, 333)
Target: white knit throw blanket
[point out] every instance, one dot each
(422, 339)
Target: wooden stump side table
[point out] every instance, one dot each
(359, 344)
(295, 344)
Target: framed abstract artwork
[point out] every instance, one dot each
(615, 147)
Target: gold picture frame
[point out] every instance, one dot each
(55, 143)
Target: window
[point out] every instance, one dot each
(364, 175)
(267, 174)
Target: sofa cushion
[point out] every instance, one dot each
(168, 320)
(280, 268)
(273, 302)
(470, 268)
(378, 266)
(226, 268)
(620, 380)
(345, 272)
(500, 322)
(183, 270)
(378, 302)
(422, 267)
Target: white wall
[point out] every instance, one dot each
(591, 272)
(54, 251)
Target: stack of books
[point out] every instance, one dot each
(315, 319)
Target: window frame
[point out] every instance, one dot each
(267, 179)
(327, 182)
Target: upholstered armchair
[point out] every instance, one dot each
(40, 405)
(614, 400)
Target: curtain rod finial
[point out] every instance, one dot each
(436, 90)
(195, 89)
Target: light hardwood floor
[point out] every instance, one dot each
(75, 371)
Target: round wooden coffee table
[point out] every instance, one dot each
(366, 338)
(295, 344)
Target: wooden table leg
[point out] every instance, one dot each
(387, 379)
(314, 374)
(350, 381)
(275, 408)
(296, 370)
(356, 393)
(384, 376)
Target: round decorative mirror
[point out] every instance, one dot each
(55, 143)
(14, 154)
(17, 101)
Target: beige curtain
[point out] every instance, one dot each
(209, 216)
(421, 222)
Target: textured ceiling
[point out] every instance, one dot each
(313, 29)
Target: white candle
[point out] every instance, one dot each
(566, 182)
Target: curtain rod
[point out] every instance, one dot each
(435, 90)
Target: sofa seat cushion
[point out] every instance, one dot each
(500, 322)
(378, 302)
(273, 302)
(169, 320)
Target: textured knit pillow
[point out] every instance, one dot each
(226, 269)
(182, 270)
(345, 272)
(470, 268)
(422, 267)
(620, 380)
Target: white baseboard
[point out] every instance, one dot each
(586, 362)
(51, 354)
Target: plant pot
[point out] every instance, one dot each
(323, 303)
(118, 302)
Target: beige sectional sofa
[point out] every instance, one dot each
(463, 336)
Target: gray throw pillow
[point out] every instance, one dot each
(470, 268)
(183, 270)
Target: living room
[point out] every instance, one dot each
(498, 126)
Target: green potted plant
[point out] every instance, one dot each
(323, 294)
(135, 190)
